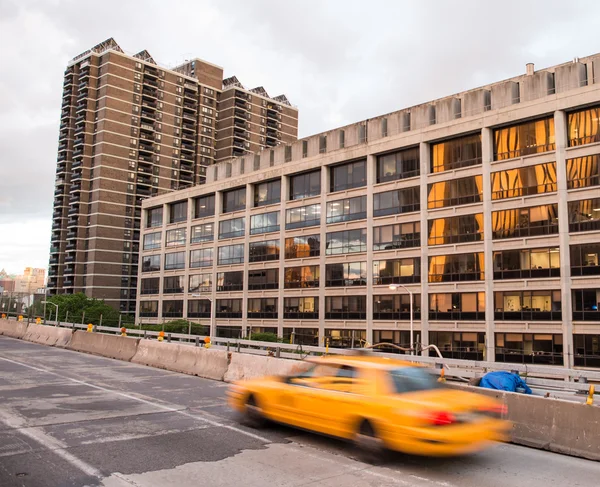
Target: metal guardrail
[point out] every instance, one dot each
(538, 376)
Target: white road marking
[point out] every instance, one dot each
(144, 401)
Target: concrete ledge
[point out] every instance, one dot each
(48, 335)
(13, 329)
(244, 366)
(210, 364)
(112, 346)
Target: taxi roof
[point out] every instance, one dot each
(367, 361)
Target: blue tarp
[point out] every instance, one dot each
(504, 381)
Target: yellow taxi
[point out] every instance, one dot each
(376, 402)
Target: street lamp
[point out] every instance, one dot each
(55, 305)
(210, 329)
(395, 287)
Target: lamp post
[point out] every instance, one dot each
(395, 287)
(55, 305)
(210, 329)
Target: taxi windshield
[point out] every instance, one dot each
(412, 379)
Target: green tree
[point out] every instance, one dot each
(73, 307)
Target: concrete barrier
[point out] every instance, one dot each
(112, 346)
(13, 329)
(245, 366)
(551, 424)
(48, 335)
(207, 363)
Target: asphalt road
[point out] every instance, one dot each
(71, 419)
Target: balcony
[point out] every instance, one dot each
(72, 222)
(147, 115)
(69, 258)
(185, 167)
(150, 81)
(190, 106)
(52, 261)
(151, 72)
(56, 225)
(72, 211)
(272, 124)
(273, 114)
(147, 127)
(143, 191)
(189, 127)
(188, 137)
(150, 105)
(69, 270)
(185, 177)
(65, 113)
(149, 91)
(189, 116)
(68, 283)
(76, 164)
(75, 187)
(60, 190)
(146, 181)
(187, 147)
(80, 118)
(145, 158)
(187, 157)
(240, 113)
(143, 147)
(242, 104)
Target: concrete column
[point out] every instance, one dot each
(284, 198)
(560, 130)
(249, 205)
(487, 151)
(188, 237)
(213, 269)
(323, 236)
(161, 278)
(371, 170)
(424, 158)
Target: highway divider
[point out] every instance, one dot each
(112, 346)
(244, 366)
(48, 335)
(13, 329)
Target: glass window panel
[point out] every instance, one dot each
(456, 153)
(531, 137)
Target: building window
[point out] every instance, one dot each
(231, 254)
(398, 165)
(204, 206)
(456, 229)
(349, 175)
(457, 306)
(396, 201)
(585, 259)
(396, 307)
(202, 233)
(151, 263)
(302, 247)
(587, 350)
(524, 181)
(584, 215)
(150, 285)
(305, 308)
(529, 348)
(172, 309)
(263, 279)
(527, 305)
(263, 251)
(148, 309)
(346, 274)
(152, 240)
(200, 283)
(201, 258)
(228, 308)
(322, 144)
(198, 308)
(173, 285)
(525, 222)
(301, 277)
(456, 153)
(583, 172)
(267, 193)
(456, 267)
(527, 263)
(586, 305)
(345, 307)
(523, 139)
(175, 260)
(398, 236)
(455, 192)
(459, 345)
(264, 223)
(232, 228)
(176, 237)
(178, 212)
(230, 281)
(234, 200)
(265, 308)
(583, 126)
(397, 271)
(303, 216)
(154, 219)
(346, 242)
(347, 209)
(305, 185)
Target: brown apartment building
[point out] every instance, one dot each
(131, 129)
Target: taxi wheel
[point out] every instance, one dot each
(253, 416)
(371, 449)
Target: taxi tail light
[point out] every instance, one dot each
(441, 418)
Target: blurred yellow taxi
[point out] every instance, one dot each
(378, 403)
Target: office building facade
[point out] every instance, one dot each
(129, 129)
(484, 207)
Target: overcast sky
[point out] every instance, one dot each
(339, 61)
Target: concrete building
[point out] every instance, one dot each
(483, 206)
(130, 129)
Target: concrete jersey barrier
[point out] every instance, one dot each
(112, 346)
(13, 329)
(245, 366)
(210, 364)
(48, 335)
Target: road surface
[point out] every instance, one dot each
(71, 419)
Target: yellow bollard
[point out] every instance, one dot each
(20, 317)
(3, 316)
(590, 398)
(442, 376)
(207, 343)
(161, 336)
(90, 328)
(123, 332)
(38, 321)
(326, 345)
